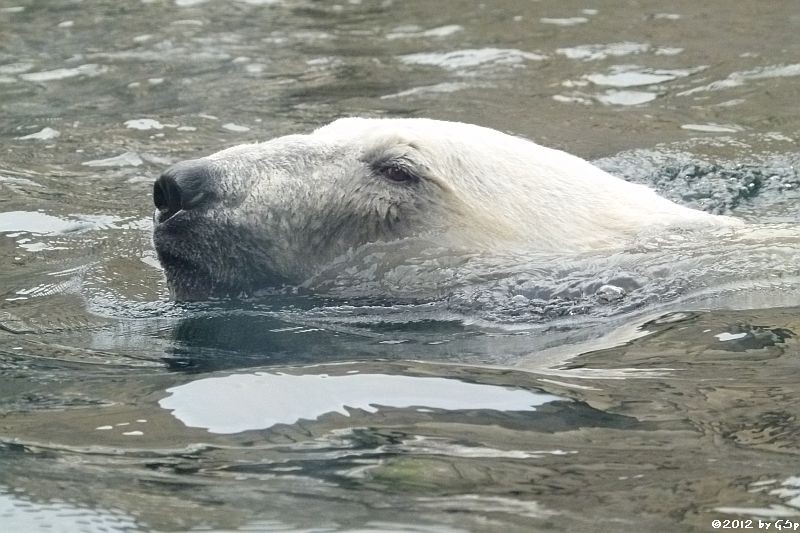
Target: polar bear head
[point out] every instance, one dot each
(258, 215)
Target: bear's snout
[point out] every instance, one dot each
(184, 186)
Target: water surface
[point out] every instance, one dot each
(652, 390)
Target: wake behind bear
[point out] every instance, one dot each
(297, 210)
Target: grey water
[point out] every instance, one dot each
(654, 390)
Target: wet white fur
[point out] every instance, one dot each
(291, 205)
(512, 188)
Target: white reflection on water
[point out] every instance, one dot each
(242, 402)
(737, 79)
(712, 128)
(415, 32)
(595, 52)
(635, 76)
(487, 504)
(89, 70)
(128, 159)
(42, 223)
(460, 59)
(45, 134)
(571, 21)
(626, 97)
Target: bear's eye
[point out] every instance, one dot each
(398, 174)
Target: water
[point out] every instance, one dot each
(653, 390)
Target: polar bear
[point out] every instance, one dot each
(265, 214)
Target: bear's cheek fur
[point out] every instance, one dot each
(315, 225)
(282, 225)
(209, 253)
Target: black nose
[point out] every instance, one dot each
(183, 186)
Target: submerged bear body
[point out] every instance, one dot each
(266, 214)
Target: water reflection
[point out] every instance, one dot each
(20, 514)
(242, 402)
(15, 222)
(788, 490)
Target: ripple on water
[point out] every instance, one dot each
(89, 70)
(24, 226)
(634, 75)
(45, 134)
(41, 223)
(596, 52)
(788, 490)
(737, 79)
(127, 159)
(429, 90)
(622, 77)
(626, 98)
(143, 124)
(19, 514)
(713, 128)
(415, 32)
(469, 58)
(14, 181)
(487, 504)
(569, 21)
(16, 68)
